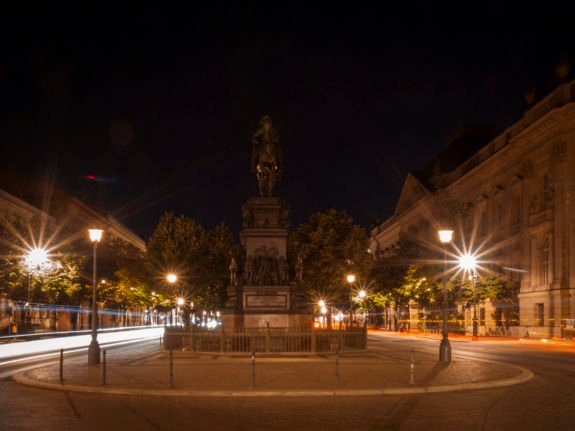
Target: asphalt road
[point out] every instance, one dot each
(546, 402)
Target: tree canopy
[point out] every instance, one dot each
(199, 257)
(331, 246)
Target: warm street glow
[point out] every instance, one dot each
(351, 278)
(362, 294)
(445, 236)
(321, 303)
(37, 258)
(171, 277)
(95, 234)
(468, 262)
(180, 301)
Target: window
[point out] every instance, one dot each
(545, 262)
(482, 316)
(539, 316)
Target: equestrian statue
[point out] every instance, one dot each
(266, 156)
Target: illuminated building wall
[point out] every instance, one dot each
(512, 191)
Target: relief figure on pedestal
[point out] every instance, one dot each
(233, 271)
(282, 270)
(249, 270)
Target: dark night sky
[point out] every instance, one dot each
(160, 103)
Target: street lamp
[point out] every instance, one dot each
(35, 261)
(468, 262)
(445, 236)
(171, 278)
(94, 348)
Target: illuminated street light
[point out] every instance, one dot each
(171, 278)
(36, 261)
(362, 294)
(445, 236)
(468, 262)
(350, 278)
(94, 348)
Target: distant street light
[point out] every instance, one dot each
(94, 348)
(445, 236)
(468, 262)
(36, 261)
(350, 278)
(171, 278)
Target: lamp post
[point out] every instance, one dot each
(171, 278)
(35, 261)
(469, 263)
(475, 335)
(94, 348)
(445, 237)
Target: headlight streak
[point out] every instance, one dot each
(74, 342)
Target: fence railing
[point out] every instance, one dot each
(266, 340)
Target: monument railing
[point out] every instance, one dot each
(266, 340)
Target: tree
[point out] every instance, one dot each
(198, 256)
(331, 246)
(398, 279)
(58, 281)
(491, 287)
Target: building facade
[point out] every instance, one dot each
(64, 214)
(510, 197)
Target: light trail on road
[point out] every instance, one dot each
(74, 342)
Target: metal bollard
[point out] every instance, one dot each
(171, 384)
(336, 368)
(253, 386)
(103, 367)
(61, 365)
(412, 368)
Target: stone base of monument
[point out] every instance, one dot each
(237, 322)
(267, 306)
(265, 290)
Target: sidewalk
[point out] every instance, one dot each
(386, 371)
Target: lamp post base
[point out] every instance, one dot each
(475, 337)
(445, 350)
(93, 353)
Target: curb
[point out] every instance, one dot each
(23, 379)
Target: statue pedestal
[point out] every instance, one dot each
(267, 293)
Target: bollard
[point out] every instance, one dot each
(103, 367)
(61, 365)
(171, 384)
(253, 386)
(412, 368)
(336, 367)
(160, 341)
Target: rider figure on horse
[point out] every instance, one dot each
(266, 156)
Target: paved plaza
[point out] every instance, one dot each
(389, 369)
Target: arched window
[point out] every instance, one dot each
(545, 261)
